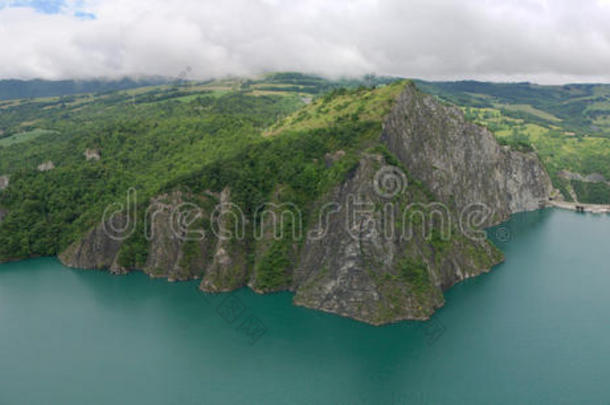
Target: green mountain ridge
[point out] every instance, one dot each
(283, 138)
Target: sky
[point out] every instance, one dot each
(542, 41)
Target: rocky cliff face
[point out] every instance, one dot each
(460, 162)
(174, 253)
(98, 249)
(375, 256)
(4, 181)
(227, 269)
(369, 268)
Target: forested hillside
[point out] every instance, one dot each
(155, 138)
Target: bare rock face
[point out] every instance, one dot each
(228, 269)
(367, 269)
(181, 244)
(460, 162)
(92, 154)
(591, 178)
(98, 249)
(4, 180)
(46, 166)
(331, 158)
(176, 251)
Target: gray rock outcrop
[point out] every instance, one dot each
(227, 269)
(460, 162)
(173, 252)
(98, 249)
(590, 178)
(46, 166)
(360, 271)
(92, 154)
(4, 181)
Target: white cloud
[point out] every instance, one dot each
(535, 40)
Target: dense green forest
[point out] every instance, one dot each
(200, 136)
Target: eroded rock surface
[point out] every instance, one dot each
(92, 154)
(460, 162)
(98, 249)
(4, 181)
(228, 268)
(46, 166)
(366, 268)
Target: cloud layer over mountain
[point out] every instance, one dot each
(535, 40)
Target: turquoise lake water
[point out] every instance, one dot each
(536, 330)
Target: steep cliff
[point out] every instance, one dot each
(380, 279)
(174, 252)
(380, 245)
(460, 162)
(4, 182)
(98, 249)
(389, 259)
(227, 270)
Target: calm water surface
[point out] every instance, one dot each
(535, 330)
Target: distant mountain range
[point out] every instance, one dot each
(20, 89)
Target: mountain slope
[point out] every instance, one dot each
(388, 259)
